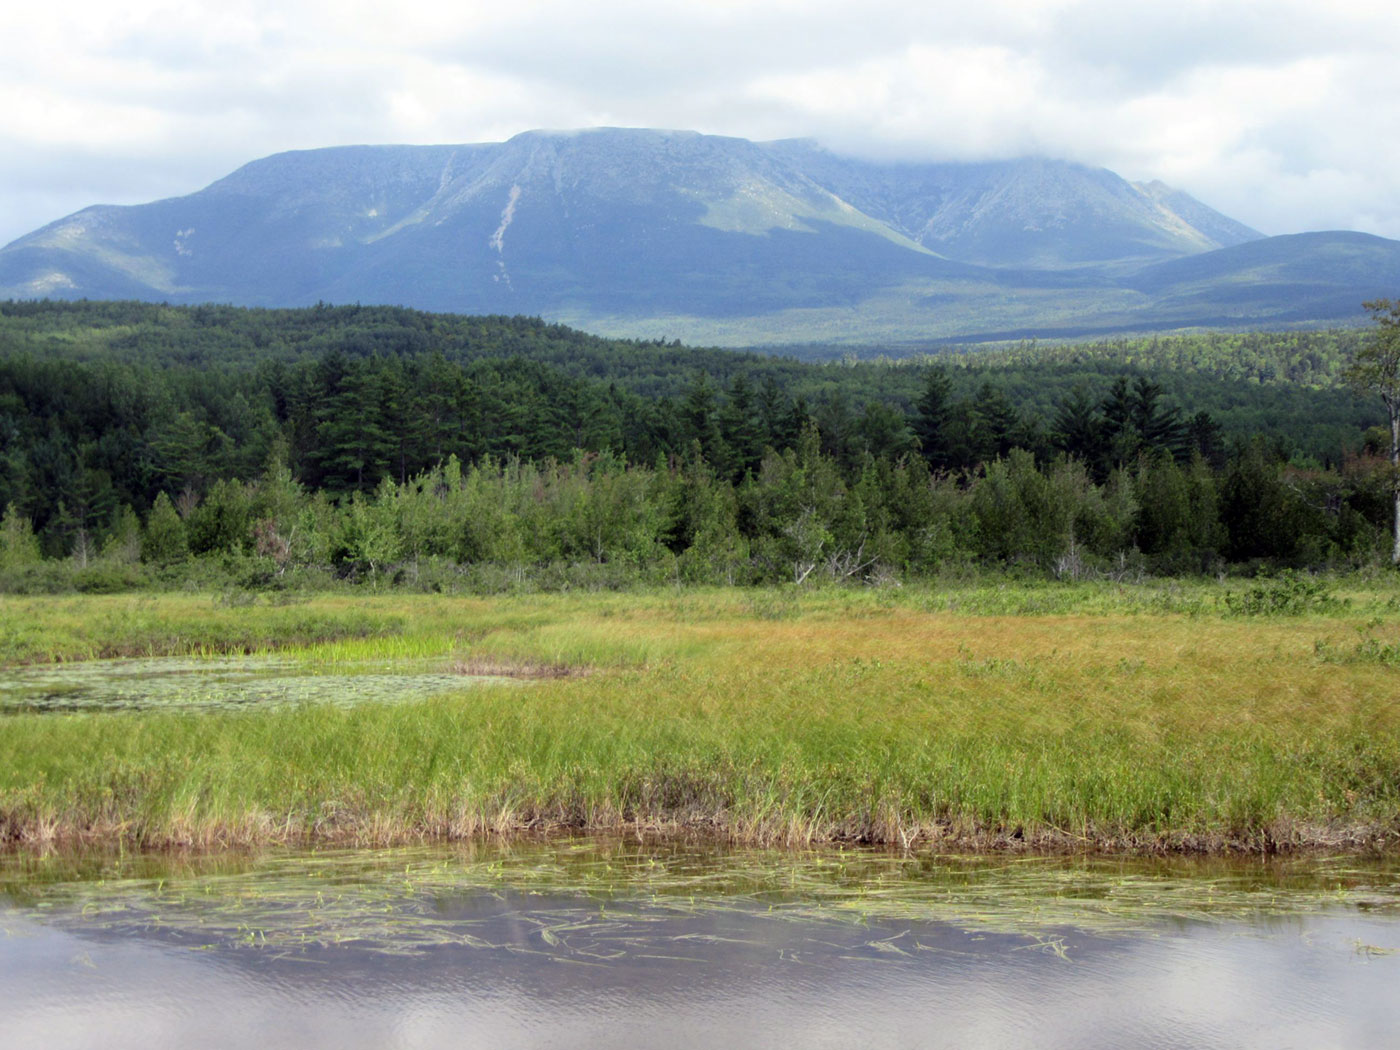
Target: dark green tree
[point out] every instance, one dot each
(931, 417)
(1077, 428)
(700, 419)
(883, 432)
(1001, 424)
(1376, 369)
(740, 428)
(1159, 427)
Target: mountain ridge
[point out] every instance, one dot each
(624, 231)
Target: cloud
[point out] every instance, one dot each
(1266, 109)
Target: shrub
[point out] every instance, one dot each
(1288, 594)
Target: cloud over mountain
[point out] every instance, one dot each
(638, 231)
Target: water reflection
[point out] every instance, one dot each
(616, 945)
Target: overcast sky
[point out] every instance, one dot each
(1281, 113)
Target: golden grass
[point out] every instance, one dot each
(773, 717)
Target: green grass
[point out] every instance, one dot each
(1143, 717)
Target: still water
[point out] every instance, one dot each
(627, 945)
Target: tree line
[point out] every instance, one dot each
(391, 464)
(1286, 386)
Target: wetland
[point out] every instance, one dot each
(1141, 718)
(621, 943)
(1067, 816)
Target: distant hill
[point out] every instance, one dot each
(1293, 278)
(721, 240)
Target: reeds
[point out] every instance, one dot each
(854, 716)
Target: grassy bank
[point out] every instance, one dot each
(1145, 717)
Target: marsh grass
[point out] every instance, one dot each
(1007, 716)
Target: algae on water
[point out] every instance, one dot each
(589, 896)
(213, 683)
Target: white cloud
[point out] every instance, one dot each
(1271, 110)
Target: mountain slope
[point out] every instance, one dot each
(638, 221)
(1030, 213)
(681, 234)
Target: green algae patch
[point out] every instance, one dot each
(598, 895)
(219, 683)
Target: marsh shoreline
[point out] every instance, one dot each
(18, 835)
(988, 718)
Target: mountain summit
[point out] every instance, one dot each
(647, 232)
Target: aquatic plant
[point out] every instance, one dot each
(607, 898)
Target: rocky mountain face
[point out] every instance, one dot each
(1033, 213)
(641, 232)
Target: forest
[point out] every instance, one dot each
(145, 444)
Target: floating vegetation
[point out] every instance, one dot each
(597, 898)
(219, 683)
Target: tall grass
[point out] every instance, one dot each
(771, 716)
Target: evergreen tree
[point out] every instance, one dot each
(1159, 427)
(1077, 428)
(122, 545)
(1118, 410)
(740, 428)
(883, 432)
(1205, 438)
(164, 541)
(1263, 517)
(354, 446)
(773, 416)
(931, 417)
(700, 421)
(837, 427)
(1001, 425)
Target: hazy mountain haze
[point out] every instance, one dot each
(1267, 112)
(700, 236)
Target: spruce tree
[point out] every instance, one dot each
(931, 418)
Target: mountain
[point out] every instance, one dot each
(1030, 213)
(1303, 275)
(658, 233)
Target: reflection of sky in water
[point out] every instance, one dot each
(521, 964)
(737, 981)
(217, 682)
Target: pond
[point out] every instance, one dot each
(617, 944)
(220, 683)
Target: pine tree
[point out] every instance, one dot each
(1078, 429)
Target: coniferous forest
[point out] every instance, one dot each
(144, 444)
